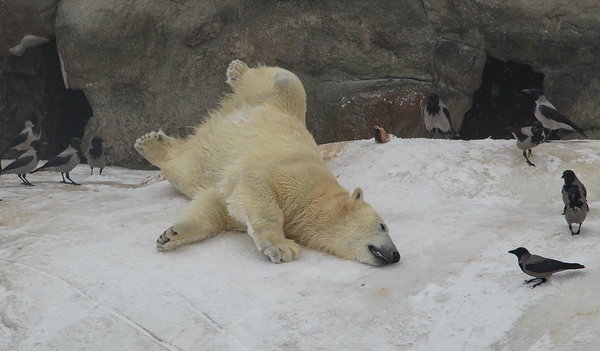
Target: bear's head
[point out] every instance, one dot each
(356, 232)
(271, 85)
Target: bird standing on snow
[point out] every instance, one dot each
(576, 210)
(529, 137)
(546, 113)
(571, 181)
(25, 163)
(96, 156)
(437, 117)
(540, 267)
(29, 133)
(65, 161)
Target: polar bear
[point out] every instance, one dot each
(253, 166)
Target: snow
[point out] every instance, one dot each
(79, 270)
(27, 42)
(63, 71)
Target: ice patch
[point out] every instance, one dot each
(63, 71)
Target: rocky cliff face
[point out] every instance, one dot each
(147, 64)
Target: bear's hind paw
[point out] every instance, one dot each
(235, 71)
(166, 241)
(153, 146)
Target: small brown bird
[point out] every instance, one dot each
(380, 135)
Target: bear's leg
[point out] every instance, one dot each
(264, 222)
(154, 146)
(266, 229)
(205, 217)
(235, 71)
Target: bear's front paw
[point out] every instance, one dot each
(284, 251)
(167, 240)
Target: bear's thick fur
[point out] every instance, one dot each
(252, 166)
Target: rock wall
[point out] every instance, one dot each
(146, 64)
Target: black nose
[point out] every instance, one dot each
(385, 255)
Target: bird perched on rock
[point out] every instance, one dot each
(540, 267)
(576, 210)
(29, 133)
(65, 161)
(437, 117)
(528, 138)
(546, 113)
(96, 156)
(380, 135)
(571, 181)
(25, 163)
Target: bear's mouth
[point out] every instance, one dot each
(384, 255)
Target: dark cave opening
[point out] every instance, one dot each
(499, 106)
(67, 111)
(34, 86)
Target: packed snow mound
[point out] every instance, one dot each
(79, 270)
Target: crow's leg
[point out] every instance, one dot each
(543, 280)
(71, 180)
(26, 181)
(527, 159)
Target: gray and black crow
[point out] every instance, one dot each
(29, 133)
(96, 156)
(540, 267)
(571, 181)
(25, 163)
(437, 117)
(546, 113)
(65, 161)
(576, 210)
(528, 138)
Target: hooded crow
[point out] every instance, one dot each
(546, 113)
(29, 133)
(96, 156)
(437, 117)
(528, 138)
(540, 267)
(571, 181)
(65, 161)
(25, 163)
(576, 210)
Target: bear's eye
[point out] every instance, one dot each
(383, 227)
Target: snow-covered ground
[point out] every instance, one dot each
(79, 271)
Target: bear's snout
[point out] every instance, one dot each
(385, 255)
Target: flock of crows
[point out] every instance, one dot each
(436, 118)
(29, 142)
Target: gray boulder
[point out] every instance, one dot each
(147, 64)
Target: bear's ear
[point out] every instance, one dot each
(357, 195)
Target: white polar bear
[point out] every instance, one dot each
(252, 166)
